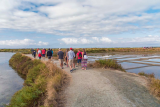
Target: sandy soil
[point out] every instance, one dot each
(107, 88)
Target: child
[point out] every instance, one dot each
(39, 55)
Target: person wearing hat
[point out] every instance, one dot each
(71, 56)
(60, 55)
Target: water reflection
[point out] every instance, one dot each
(10, 81)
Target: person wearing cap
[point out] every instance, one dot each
(60, 55)
(71, 56)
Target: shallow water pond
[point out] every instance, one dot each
(10, 81)
(127, 65)
(133, 62)
(150, 69)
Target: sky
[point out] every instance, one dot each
(79, 23)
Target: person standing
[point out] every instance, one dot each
(74, 61)
(32, 50)
(60, 55)
(84, 60)
(79, 57)
(43, 54)
(66, 57)
(39, 51)
(52, 55)
(49, 54)
(34, 54)
(71, 56)
(39, 55)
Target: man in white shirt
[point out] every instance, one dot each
(71, 56)
(39, 51)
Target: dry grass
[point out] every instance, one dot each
(146, 75)
(155, 87)
(154, 84)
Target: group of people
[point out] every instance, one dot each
(70, 57)
(42, 53)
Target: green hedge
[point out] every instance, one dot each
(35, 83)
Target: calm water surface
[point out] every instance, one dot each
(133, 62)
(10, 81)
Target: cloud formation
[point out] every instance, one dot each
(82, 41)
(79, 17)
(25, 42)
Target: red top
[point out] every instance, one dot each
(78, 55)
(37, 50)
(39, 55)
(43, 51)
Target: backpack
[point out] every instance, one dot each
(80, 54)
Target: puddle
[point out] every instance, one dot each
(10, 81)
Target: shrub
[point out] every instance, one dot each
(38, 76)
(107, 63)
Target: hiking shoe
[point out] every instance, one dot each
(71, 70)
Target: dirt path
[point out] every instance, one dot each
(107, 88)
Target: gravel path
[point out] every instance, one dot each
(107, 88)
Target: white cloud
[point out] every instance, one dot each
(105, 39)
(95, 38)
(149, 38)
(81, 40)
(24, 42)
(79, 17)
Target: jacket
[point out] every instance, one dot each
(49, 53)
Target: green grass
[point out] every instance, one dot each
(107, 63)
(37, 79)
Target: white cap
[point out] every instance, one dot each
(59, 48)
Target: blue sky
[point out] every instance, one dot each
(79, 23)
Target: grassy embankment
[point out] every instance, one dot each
(154, 84)
(43, 82)
(107, 63)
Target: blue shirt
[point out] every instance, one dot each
(71, 54)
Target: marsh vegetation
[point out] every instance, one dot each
(43, 82)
